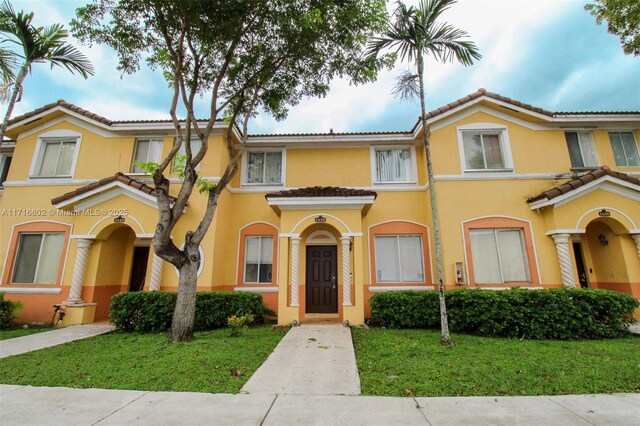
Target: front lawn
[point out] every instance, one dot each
(18, 331)
(214, 362)
(412, 362)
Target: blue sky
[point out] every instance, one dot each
(549, 53)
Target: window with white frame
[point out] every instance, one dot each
(484, 150)
(56, 157)
(264, 167)
(196, 144)
(499, 256)
(147, 150)
(625, 149)
(582, 149)
(393, 164)
(258, 260)
(38, 258)
(399, 258)
(5, 163)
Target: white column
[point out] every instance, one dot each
(295, 267)
(82, 256)
(636, 238)
(156, 272)
(346, 271)
(564, 257)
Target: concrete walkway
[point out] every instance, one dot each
(33, 342)
(309, 360)
(25, 405)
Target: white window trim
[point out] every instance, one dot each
(135, 151)
(633, 135)
(35, 274)
(245, 167)
(595, 147)
(193, 153)
(374, 171)
(38, 153)
(505, 146)
(244, 266)
(397, 237)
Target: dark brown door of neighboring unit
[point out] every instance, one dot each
(138, 268)
(582, 271)
(322, 287)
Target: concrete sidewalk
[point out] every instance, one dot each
(33, 342)
(309, 360)
(25, 405)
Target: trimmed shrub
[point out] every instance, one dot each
(152, 311)
(8, 311)
(515, 313)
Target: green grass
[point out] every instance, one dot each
(405, 362)
(146, 362)
(18, 331)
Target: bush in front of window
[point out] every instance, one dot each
(152, 311)
(8, 311)
(513, 313)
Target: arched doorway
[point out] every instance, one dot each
(605, 264)
(115, 251)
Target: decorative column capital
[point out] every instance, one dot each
(636, 238)
(561, 238)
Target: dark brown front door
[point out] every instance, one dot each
(138, 268)
(582, 271)
(322, 287)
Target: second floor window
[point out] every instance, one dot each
(483, 150)
(582, 150)
(5, 163)
(264, 167)
(625, 149)
(196, 144)
(393, 165)
(147, 150)
(56, 157)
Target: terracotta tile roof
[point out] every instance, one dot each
(321, 191)
(581, 181)
(64, 104)
(120, 177)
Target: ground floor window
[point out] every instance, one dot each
(38, 258)
(499, 256)
(399, 258)
(258, 259)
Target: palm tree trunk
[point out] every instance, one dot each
(16, 89)
(445, 337)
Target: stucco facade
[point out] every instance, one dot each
(318, 223)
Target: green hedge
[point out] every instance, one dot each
(8, 311)
(521, 313)
(152, 311)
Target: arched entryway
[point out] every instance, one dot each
(121, 265)
(608, 254)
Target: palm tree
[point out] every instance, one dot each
(414, 34)
(36, 44)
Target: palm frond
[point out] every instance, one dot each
(407, 86)
(447, 44)
(72, 59)
(7, 64)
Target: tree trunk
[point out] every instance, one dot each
(185, 311)
(445, 337)
(12, 102)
